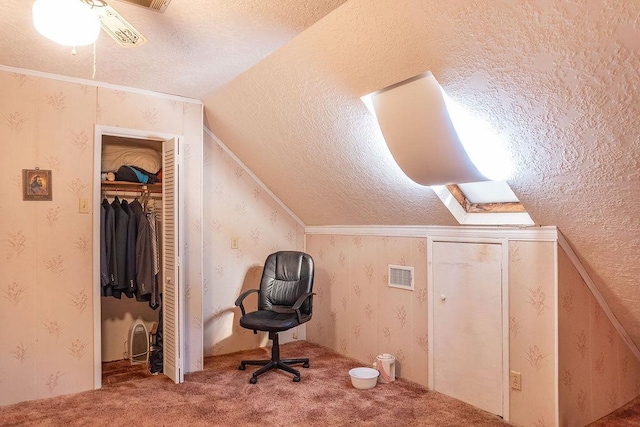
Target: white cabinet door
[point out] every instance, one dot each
(467, 323)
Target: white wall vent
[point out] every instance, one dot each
(159, 5)
(401, 276)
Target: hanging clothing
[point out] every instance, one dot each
(122, 224)
(144, 259)
(154, 301)
(130, 257)
(104, 266)
(137, 211)
(129, 252)
(110, 253)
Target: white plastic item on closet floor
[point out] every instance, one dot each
(138, 343)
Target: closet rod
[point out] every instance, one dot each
(128, 193)
(131, 186)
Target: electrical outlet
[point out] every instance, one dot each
(295, 335)
(515, 380)
(83, 205)
(234, 243)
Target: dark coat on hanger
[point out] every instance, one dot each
(109, 269)
(130, 261)
(143, 287)
(122, 225)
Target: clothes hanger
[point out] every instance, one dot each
(144, 197)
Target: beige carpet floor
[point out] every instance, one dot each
(122, 370)
(627, 416)
(221, 395)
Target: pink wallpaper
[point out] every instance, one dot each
(46, 288)
(598, 372)
(46, 339)
(237, 206)
(532, 332)
(357, 314)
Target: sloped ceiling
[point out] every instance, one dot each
(281, 82)
(558, 78)
(194, 48)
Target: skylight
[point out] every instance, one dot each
(483, 203)
(488, 192)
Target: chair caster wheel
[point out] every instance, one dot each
(241, 367)
(296, 379)
(305, 365)
(253, 380)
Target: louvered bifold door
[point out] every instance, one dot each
(172, 298)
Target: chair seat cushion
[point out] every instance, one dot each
(266, 320)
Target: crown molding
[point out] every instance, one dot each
(539, 234)
(88, 82)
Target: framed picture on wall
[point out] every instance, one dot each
(36, 184)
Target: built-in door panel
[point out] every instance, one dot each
(467, 329)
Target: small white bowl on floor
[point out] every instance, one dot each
(364, 378)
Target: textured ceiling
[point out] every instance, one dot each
(195, 46)
(558, 78)
(281, 82)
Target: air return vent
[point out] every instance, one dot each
(159, 5)
(401, 276)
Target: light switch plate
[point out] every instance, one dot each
(83, 205)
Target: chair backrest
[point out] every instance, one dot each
(286, 276)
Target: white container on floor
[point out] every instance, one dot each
(363, 378)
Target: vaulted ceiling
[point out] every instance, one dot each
(281, 82)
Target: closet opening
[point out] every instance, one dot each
(130, 251)
(138, 308)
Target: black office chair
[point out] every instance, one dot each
(284, 301)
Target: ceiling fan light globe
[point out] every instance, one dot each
(66, 22)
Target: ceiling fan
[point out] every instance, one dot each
(78, 22)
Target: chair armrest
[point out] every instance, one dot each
(296, 306)
(242, 297)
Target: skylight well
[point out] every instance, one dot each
(483, 203)
(439, 143)
(484, 145)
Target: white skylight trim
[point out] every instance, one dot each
(490, 218)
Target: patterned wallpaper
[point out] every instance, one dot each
(357, 314)
(235, 205)
(532, 332)
(46, 287)
(598, 372)
(46, 304)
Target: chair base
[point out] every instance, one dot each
(275, 362)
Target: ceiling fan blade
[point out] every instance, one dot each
(157, 5)
(118, 28)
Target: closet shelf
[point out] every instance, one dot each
(130, 186)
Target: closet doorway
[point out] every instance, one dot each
(468, 323)
(165, 199)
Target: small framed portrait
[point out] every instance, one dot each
(36, 184)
